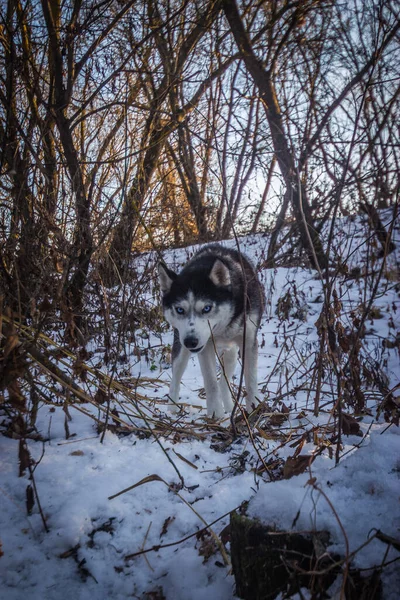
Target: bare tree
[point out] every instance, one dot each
(264, 80)
(166, 113)
(304, 34)
(141, 124)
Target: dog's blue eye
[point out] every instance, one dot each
(179, 310)
(207, 308)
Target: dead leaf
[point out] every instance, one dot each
(30, 499)
(295, 465)
(147, 479)
(225, 534)
(299, 448)
(156, 594)
(280, 417)
(184, 459)
(337, 305)
(350, 425)
(79, 369)
(166, 524)
(100, 396)
(12, 341)
(207, 546)
(343, 339)
(71, 552)
(17, 400)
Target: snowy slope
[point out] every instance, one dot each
(86, 553)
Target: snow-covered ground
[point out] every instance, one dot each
(87, 551)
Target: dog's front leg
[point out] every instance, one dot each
(180, 358)
(228, 364)
(209, 372)
(250, 366)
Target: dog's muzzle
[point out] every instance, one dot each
(191, 344)
(195, 350)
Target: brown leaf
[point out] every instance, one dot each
(147, 479)
(79, 369)
(115, 417)
(16, 427)
(83, 354)
(295, 465)
(71, 552)
(208, 546)
(156, 594)
(300, 446)
(343, 339)
(12, 341)
(391, 343)
(100, 396)
(17, 400)
(280, 417)
(337, 305)
(350, 425)
(30, 499)
(166, 524)
(225, 534)
(185, 459)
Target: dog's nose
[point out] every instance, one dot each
(191, 342)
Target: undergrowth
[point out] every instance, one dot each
(341, 370)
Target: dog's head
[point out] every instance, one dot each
(197, 302)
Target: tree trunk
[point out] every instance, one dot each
(263, 79)
(376, 223)
(60, 94)
(122, 237)
(260, 210)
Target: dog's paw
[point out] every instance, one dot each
(173, 404)
(215, 410)
(251, 404)
(228, 403)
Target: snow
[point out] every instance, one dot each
(83, 554)
(74, 491)
(363, 491)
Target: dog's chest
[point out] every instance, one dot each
(225, 336)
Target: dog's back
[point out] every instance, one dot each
(244, 280)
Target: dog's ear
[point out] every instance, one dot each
(166, 277)
(220, 275)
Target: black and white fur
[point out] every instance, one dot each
(213, 304)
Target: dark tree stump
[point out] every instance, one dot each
(360, 587)
(266, 561)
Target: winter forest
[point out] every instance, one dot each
(133, 132)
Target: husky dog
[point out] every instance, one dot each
(215, 305)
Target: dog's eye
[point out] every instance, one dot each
(207, 308)
(179, 310)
